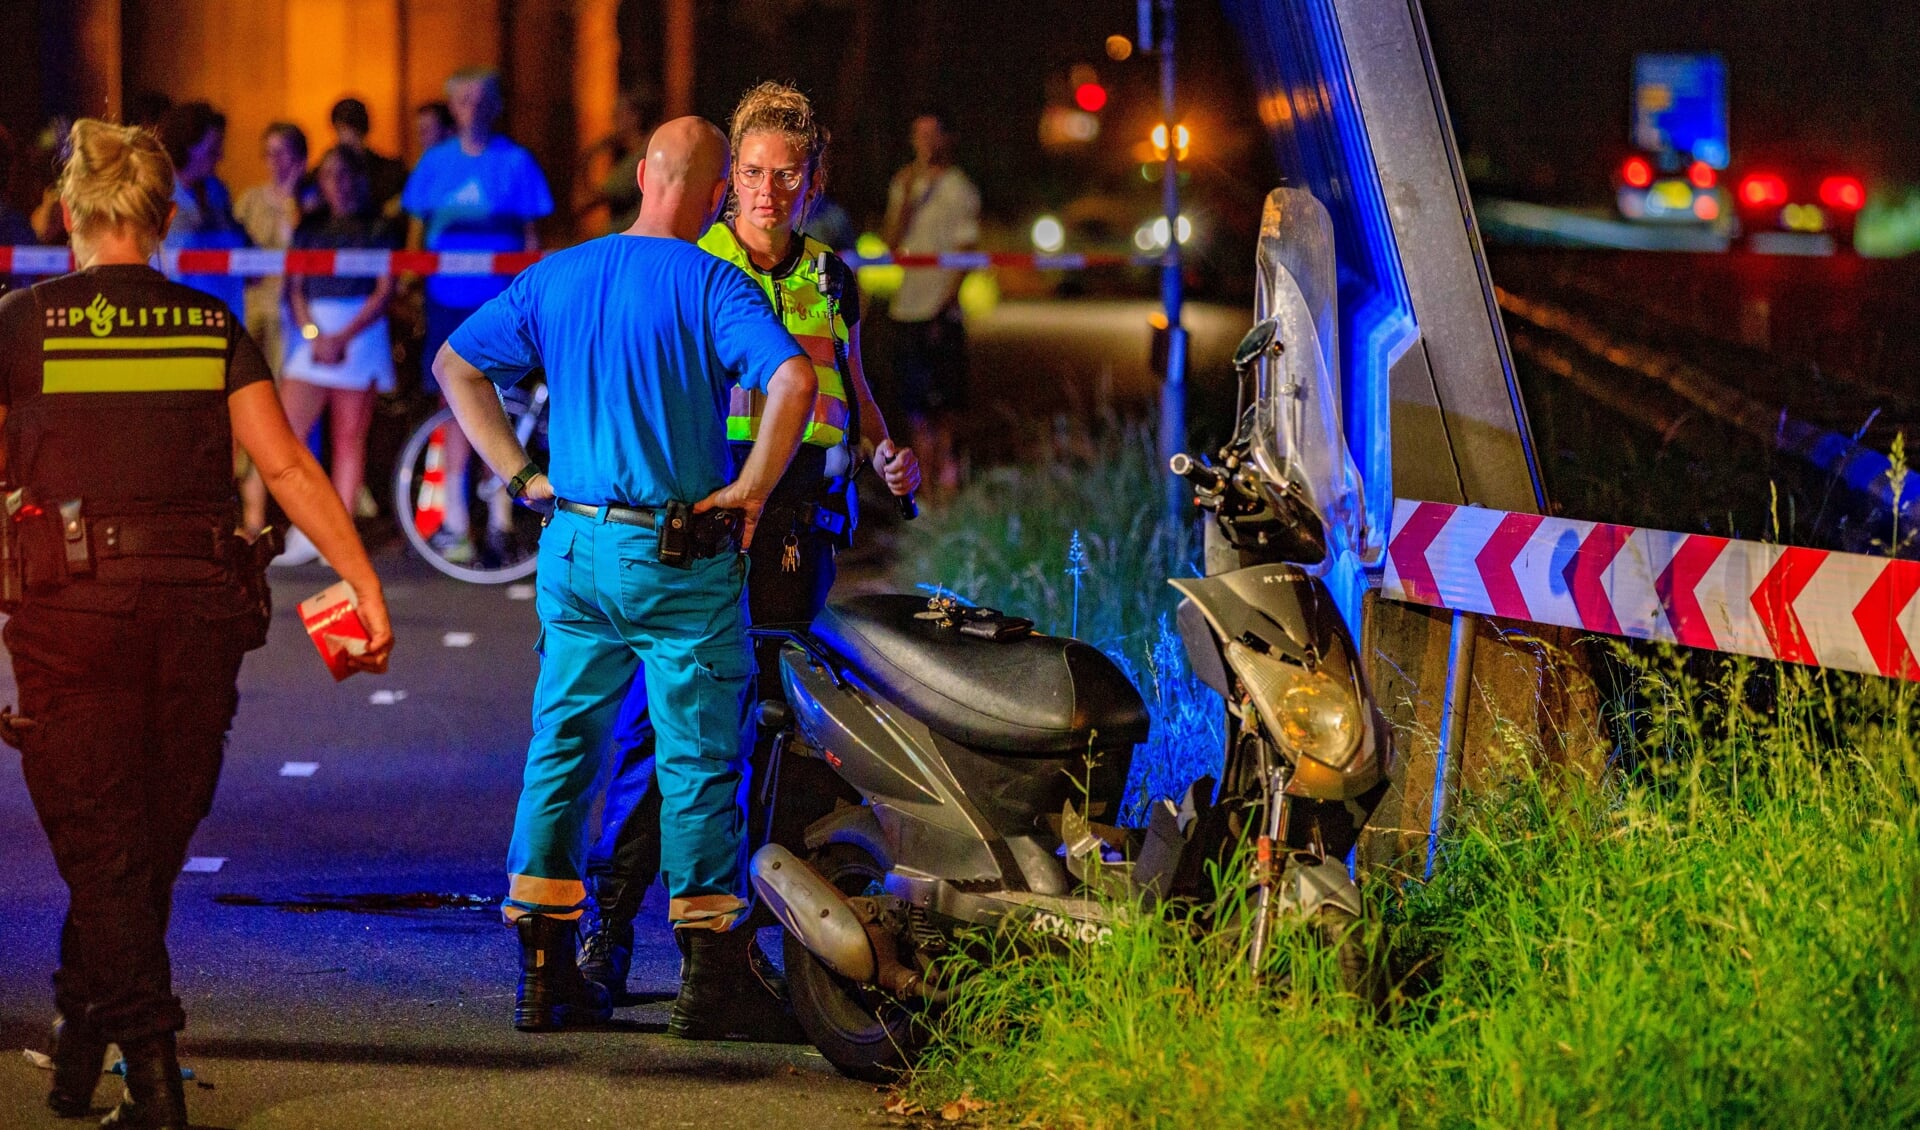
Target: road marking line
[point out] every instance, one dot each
(519, 592)
(299, 768)
(457, 639)
(204, 864)
(386, 698)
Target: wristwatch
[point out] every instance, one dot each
(517, 485)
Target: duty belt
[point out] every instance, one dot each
(805, 515)
(156, 536)
(644, 517)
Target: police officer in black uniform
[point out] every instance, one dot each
(132, 599)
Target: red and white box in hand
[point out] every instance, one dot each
(332, 619)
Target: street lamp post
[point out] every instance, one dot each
(1173, 392)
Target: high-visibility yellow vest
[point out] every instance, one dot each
(801, 300)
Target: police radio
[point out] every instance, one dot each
(13, 582)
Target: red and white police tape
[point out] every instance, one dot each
(255, 262)
(1810, 606)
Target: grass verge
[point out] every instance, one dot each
(1721, 930)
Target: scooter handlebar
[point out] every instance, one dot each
(1199, 474)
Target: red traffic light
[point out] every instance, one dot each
(1637, 172)
(1090, 96)
(1763, 190)
(1844, 193)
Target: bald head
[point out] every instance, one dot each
(683, 179)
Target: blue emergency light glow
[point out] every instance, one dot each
(1300, 64)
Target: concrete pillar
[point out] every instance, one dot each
(1530, 701)
(677, 57)
(336, 48)
(439, 37)
(596, 67)
(97, 38)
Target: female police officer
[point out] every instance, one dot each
(778, 146)
(121, 394)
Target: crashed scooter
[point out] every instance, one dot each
(985, 755)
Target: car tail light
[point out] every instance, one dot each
(1706, 208)
(1844, 193)
(1701, 174)
(1637, 172)
(1763, 190)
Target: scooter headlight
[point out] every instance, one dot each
(1312, 713)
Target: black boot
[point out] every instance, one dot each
(763, 967)
(155, 1100)
(606, 956)
(722, 996)
(552, 993)
(77, 1054)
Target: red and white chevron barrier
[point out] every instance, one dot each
(1811, 606)
(253, 262)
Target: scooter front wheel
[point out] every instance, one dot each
(863, 1032)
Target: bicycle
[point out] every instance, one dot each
(507, 544)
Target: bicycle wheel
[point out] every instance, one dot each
(503, 540)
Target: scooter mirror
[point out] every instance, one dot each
(1255, 343)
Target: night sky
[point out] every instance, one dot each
(1538, 88)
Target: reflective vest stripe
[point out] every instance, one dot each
(806, 314)
(150, 344)
(746, 407)
(143, 374)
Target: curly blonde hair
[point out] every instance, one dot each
(775, 107)
(117, 176)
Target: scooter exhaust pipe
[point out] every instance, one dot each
(815, 912)
(850, 943)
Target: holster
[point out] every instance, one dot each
(686, 537)
(46, 547)
(250, 561)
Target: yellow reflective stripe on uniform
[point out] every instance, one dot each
(744, 409)
(181, 341)
(556, 898)
(805, 313)
(131, 374)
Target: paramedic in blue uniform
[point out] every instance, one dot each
(122, 395)
(642, 334)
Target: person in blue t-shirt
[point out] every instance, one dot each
(475, 191)
(642, 335)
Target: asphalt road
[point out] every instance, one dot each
(385, 1017)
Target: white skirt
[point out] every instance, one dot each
(369, 360)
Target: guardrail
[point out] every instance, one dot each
(1810, 606)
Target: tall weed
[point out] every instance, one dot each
(1722, 930)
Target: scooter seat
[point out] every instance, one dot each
(1035, 694)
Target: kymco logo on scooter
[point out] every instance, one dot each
(1068, 929)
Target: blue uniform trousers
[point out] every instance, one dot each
(608, 610)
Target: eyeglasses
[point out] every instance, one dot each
(787, 179)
